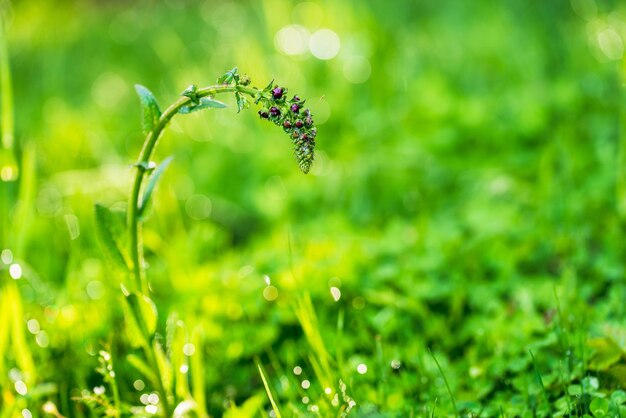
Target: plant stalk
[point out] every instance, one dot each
(134, 203)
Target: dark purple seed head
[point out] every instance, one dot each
(263, 113)
(274, 111)
(295, 108)
(304, 137)
(277, 92)
(296, 98)
(287, 124)
(299, 123)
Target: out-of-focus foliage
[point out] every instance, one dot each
(467, 205)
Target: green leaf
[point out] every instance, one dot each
(111, 230)
(149, 108)
(618, 397)
(154, 178)
(229, 77)
(599, 407)
(145, 311)
(141, 319)
(269, 86)
(204, 103)
(143, 368)
(192, 93)
(242, 103)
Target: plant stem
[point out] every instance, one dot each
(134, 203)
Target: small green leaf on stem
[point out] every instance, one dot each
(154, 178)
(204, 103)
(229, 77)
(269, 86)
(110, 231)
(192, 93)
(141, 319)
(149, 108)
(242, 103)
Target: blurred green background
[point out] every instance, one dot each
(468, 197)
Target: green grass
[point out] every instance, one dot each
(456, 250)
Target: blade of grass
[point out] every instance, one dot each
(540, 382)
(445, 380)
(269, 392)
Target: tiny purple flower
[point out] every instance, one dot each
(295, 108)
(277, 92)
(274, 111)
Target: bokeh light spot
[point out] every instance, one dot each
(292, 40)
(95, 289)
(189, 349)
(198, 207)
(139, 385)
(324, 44)
(33, 326)
(357, 70)
(6, 256)
(270, 293)
(611, 44)
(109, 90)
(15, 271)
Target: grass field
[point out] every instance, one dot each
(456, 249)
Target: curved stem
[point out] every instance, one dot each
(134, 203)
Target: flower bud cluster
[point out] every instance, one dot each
(296, 121)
